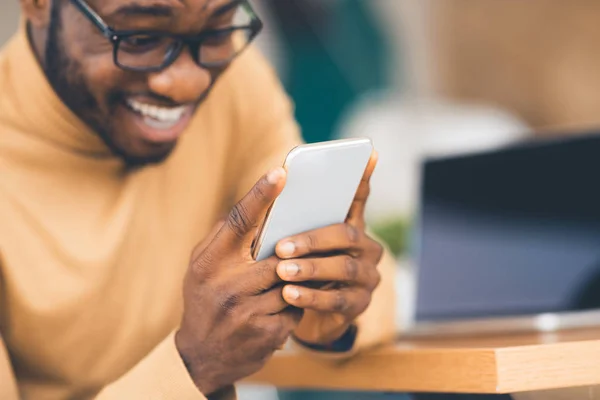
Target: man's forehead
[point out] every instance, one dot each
(132, 7)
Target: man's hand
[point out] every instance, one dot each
(234, 313)
(342, 255)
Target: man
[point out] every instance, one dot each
(130, 130)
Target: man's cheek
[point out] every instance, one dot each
(103, 78)
(95, 68)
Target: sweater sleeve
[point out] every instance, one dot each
(161, 375)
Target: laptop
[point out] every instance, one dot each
(509, 240)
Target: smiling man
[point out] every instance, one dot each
(139, 145)
(142, 107)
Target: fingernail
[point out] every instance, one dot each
(292, 269)
(292, 293)
(287, 249)
(275, 176)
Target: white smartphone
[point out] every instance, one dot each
(322, 180)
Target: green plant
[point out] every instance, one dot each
(394, 232)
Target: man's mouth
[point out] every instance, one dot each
(160, 124)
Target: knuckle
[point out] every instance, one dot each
(373, 250)
(311, 241)
(258, 191)
(350, 268)
(373, 279)
(364, 301)
(310, 268)
(249, 319)
(200, 267)
(274, 335)
(238, 221)
(257, 328)
(340, 304)
(313, 299)
(266, 268)
(267, 276)
(287, 326)
(273, 332)
(378, 251)
(228, 302)
(352, 233)
(278, 295)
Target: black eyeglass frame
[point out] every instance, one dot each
(193, 42)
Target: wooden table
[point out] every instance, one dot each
(564, 365)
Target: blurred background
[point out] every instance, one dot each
(427, 77)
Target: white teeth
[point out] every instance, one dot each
(161, 125)
(162, 115)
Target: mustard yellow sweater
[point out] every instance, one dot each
(92, 255)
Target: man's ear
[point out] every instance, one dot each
(37, 12)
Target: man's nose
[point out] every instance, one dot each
(184, 81)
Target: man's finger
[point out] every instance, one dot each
(241, 223)
(279, 326)
(270, 302)
(345, 269)
(357, 210)
(333, 238)
(257, 278)
(346, 301)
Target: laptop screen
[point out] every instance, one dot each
(511, 232)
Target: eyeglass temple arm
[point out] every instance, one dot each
(257, 22)
(94, 17)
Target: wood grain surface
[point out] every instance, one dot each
(491, 364)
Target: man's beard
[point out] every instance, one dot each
(65, 77)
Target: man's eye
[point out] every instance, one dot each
(141, 42)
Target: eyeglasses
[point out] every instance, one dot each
(151, 51)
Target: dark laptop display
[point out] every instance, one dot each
(511, 232)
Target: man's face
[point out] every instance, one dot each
(139, 115)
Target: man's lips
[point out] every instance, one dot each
(159, 124)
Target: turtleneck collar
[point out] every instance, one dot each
(38, 110)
